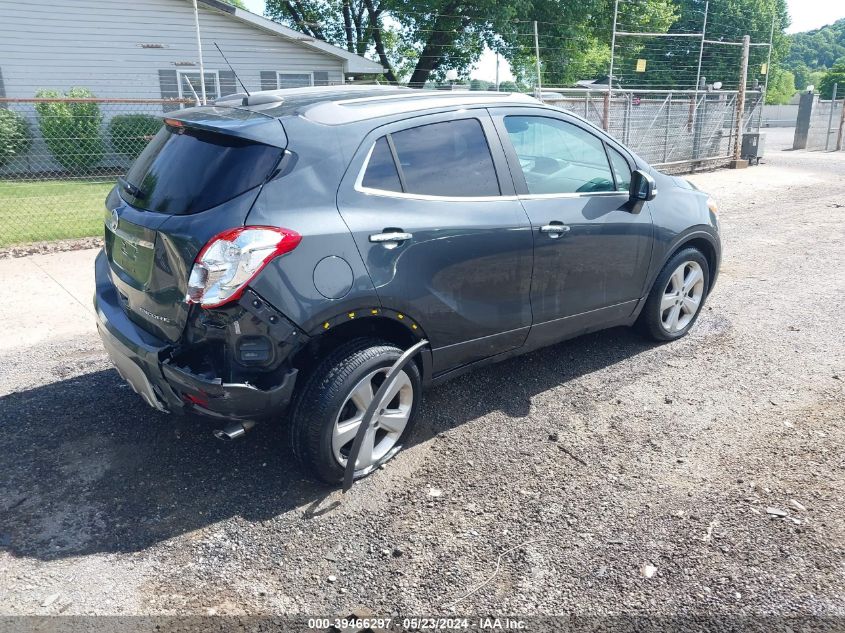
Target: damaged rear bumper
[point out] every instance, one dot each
(148, 366)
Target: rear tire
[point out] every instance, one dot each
(677, 297)
(323, 418)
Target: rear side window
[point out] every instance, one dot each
(381, 170)
(441, 159)
(184, 171)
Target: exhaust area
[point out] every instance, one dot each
(233, 431)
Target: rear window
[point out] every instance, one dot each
(184, 170)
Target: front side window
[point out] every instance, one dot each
(558, 157)
(190, 86)
(450, 159)
(621, 169)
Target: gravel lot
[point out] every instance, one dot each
(589, 463)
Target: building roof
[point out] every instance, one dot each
(352, 63)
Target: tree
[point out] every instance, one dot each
(480, 84)
(836, 75)
(673, 62)
(818, 48)
(781, 87)
(71, 129)
(419, 40)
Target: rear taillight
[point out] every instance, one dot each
(231, 260)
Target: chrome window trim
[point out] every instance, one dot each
(385, 193)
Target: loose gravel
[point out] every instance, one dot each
(606, 475)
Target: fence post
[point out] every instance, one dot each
(668, 124)
(737, 162)
(830, 117)
(537, 54)
(606, 121)
(802, 123)
(841, 127)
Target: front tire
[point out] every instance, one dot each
(676, 299)
(328, 411)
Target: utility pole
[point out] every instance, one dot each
(497, 71)
(537, 54)
(199, 51)
(737, 162)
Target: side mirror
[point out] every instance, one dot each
(643, 188)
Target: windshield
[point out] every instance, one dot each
(184, 170)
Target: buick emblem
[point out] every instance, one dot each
(115, 220)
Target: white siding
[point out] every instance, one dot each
(98, 45)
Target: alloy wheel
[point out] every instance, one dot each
(391, 418)
(682, 297)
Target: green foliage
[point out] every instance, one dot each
(836, 75)
(673, 63)
(130, 133)
(15, 136)
(781, 87)
(236, 3)
(419, 40)
(508, 86)
(71, 130)
(819, 48)
(480, 84)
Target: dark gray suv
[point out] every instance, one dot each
(271, 256)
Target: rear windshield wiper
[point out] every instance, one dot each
(133, 190)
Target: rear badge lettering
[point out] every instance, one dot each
(156, 317)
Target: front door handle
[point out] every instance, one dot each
(554, 229)
(390, 238)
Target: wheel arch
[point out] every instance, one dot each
(702, 241)
(393, 327)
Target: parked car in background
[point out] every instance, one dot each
(271, 256)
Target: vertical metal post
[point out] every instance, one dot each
(497, 71)
(768, 73)
(609, 94)
(700, 57)
(199, 51)
(841, 127)
(740, 100)
(666, 131)
(732, 108)
(586, 104)
(830, 117)
(537, 54)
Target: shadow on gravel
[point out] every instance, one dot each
(88, 468)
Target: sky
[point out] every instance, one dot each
(805, 14)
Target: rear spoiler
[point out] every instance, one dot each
(240, 123)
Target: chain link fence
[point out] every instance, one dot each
(825, 126)
(60, 156)
(673, 130)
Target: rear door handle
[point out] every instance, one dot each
(554, 229)
(390, 236)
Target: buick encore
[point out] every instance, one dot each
(270, 256)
